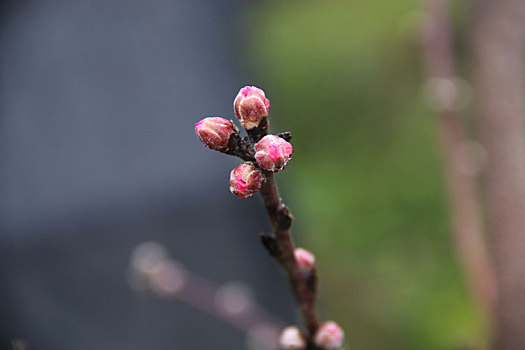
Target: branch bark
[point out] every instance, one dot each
(281, 247)
(498, 38)
(465, 207)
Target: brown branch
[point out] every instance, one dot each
(152, 271)
(281, 247)
(498, 38)
(465, 207)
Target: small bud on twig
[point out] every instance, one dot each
(245, 180)
(271, 245)
(305, 259)
(272, 153)
(215, 132)
(329, 336)
(292, 339)
(251, 107)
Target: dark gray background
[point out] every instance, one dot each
(97, 154)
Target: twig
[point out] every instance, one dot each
(304, 288)
(265, 154)
(283, 251)
(152, 271)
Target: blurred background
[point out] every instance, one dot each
(98, 155)
(366, 180)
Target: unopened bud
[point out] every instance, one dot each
(215, 132)
(305, 259)
(251, 106)
(245, 180)
(292, 339)
(329, 336)
(272, 153)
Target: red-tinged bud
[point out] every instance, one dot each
(215, 132)
(292, 339)
(329, 336)
(251, 106)
(272, 153)
(245, 180)
(305, 259)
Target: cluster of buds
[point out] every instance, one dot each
(329, 336)
(263, 155)
(261, 152)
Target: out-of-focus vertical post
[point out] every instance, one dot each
(461, 177)
(498, 74)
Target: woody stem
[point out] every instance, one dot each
(281, 247)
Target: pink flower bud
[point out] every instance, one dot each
(292, 339)
(251, 106)
(305, 259)
(215, 132)
(329, 336)
(272, 153)
(245, 180)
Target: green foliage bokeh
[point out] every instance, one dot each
(366, 180)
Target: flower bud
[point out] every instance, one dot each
(305, 259)
(329, 336)
(251, 106)
(215, 132)
(245, 180)
(292, 339)
(272, 153)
